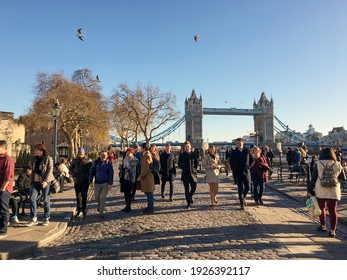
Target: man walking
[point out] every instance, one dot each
(6, 187)
(188, 163)
(240, 162)
(102, 172)
(167, 170)
(80, 168)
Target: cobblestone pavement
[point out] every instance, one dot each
(204, 232)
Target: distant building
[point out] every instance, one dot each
(13, 132)
(336, 137)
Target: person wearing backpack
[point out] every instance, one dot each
(325, 185)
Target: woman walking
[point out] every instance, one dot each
(41, 178)
(325, 185)
(155, 167)
(127, 177)
(146, 178)
(210, 163)
(259, 174)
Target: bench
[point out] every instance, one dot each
(295, 174)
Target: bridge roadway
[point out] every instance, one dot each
(279, 229)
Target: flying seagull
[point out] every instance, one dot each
(196, 38)
(97, 78)
(79, 34)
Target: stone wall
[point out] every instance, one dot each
(6, 129)
(14, 134)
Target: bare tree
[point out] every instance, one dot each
(81, 109)
(147, 108)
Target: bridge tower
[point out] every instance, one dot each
(264, 123)
(193, 113)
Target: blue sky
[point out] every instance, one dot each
(294, 51)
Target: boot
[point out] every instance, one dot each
(128, 204)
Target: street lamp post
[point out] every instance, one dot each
(87, 135)
(55, 115)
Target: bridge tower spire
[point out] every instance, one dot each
(193, 113)
(264, 123)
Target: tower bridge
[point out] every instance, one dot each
(262, 112)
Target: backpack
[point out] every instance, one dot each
(329, 178)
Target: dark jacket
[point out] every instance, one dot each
(167, 166)
(188, 162)
(240, 162)
(80, 169)
(102, 171)
(23, 182)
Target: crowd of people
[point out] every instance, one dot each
(143, 167)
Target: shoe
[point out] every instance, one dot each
(102, 216)
(45, 222)
(14, 220)
(188, 207)
(97, 209)
(84, 213)
(244, 202)
(32, 223)
(171, 199)
(124, 209)
(191, 201)
(216, 201)
(162, 195)
(79, 214)
(256, 202)
(322, 228)
(332, 234)
(242, 207)
(3, 235)
(127, 210)
(147, 211)
(261, 201)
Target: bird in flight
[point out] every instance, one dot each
(79, 34)
(97, 78)
(196, 38)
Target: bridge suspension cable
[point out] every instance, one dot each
(169, 130)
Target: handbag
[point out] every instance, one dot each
(216, 171)
(54, 186)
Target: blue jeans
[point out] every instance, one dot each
(257, 182)
(4, 214)
(35, 190)
(150, 200)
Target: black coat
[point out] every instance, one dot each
(167, 166)
(241, 162)
(188, 162)
(80, 169)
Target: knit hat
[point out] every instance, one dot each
(81, 151)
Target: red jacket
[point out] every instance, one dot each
(6, 171)
(260, 168)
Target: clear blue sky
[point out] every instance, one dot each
(293, 50)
